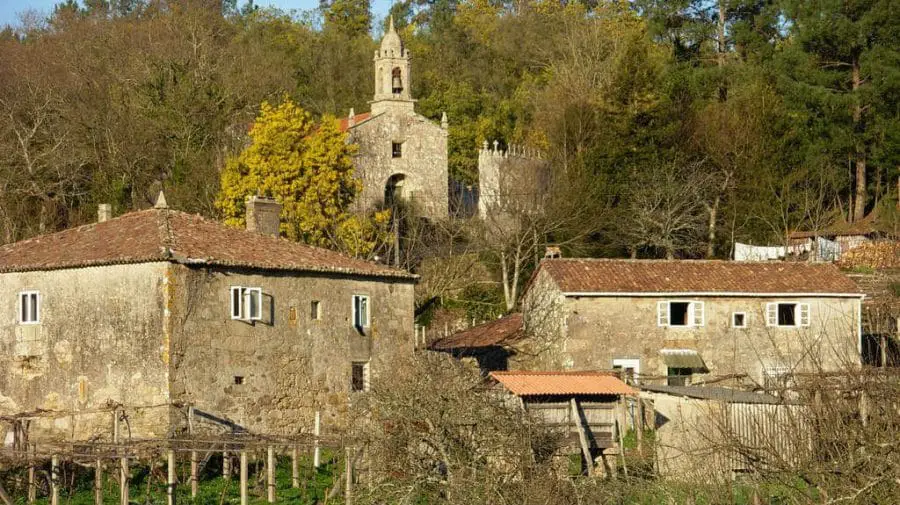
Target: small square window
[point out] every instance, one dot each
(359, 378)
(396, 149)
(315, 310)
(238, 380)
(29, 307)
(739, 320)
(360, 311)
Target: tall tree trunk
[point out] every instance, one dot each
(859, 206)
(711, 235)
(720, 51)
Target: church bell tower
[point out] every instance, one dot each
(392, 75)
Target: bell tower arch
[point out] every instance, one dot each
(392, 74)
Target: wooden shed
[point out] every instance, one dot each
(588, 407)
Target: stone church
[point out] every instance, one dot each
(402, 154)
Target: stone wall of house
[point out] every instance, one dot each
(290, 364)
(100, 342)
(422, 165)
(589, 332)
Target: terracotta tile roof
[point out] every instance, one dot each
(344, 124)
(562, 383)
(169, 235)
(493, 333)
(696, 276)
(882, 254)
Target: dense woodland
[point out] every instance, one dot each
(673, 127)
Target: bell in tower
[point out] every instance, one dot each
(396, 81)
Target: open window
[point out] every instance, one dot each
(678, 313)
(787, 314)
(315, 310)
(359, 376)
(360, 311)
(677, 376)
(396, 149)
(29, 307)
(631, 368)
(246, 303)
(739, 320)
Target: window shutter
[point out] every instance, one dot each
(662, 313)
(771, 314)
(236, 299)
(699, 313)
(254, 304)
(803, 314)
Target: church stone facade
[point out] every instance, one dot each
(402, 154)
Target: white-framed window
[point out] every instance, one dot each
(359, 376)
(787, 314)
(631, 368)
(315, 310)
(246, 303)
(361, 308)
(680, 313)
(29, 307)
(739, 320)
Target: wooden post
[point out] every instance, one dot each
(270, 473)
(195, 467)
(243, 477)
(316, 450)
(582, 437)
(226, 465)
(32, 486)
(295, 469)
(348, 477)
(170, 484)
(639, 426)
(54, 480)
(98, 482)
(123, 480)
(622, 435)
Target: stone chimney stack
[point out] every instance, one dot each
(104, 212)
(263, 215)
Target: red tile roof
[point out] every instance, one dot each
(169, 235)
(344, 124)
(696, 276)
(562, 383)
(497, 332)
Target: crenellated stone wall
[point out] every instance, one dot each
(511, 182)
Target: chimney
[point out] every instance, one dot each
(263, 215)
(104, 212)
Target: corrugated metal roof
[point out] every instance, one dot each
(716, 393)
(682, 358)
(562, 383)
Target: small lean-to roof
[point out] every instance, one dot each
(500, 331)
(562, 383)
(612, 277)
(841, 228)
(168, 235)
(716, 393)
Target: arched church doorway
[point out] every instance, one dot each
(394, 191)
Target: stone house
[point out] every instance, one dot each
(401, 154)
(156, 311)
(680, 322)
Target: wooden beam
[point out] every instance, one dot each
(123, 480)
(582, 437)
(98, 482)
(170, 482)
(54, 480)
(195, 467)
(348, 476)
(270, 474)
(295, 468)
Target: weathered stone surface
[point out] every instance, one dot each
(589, 332)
